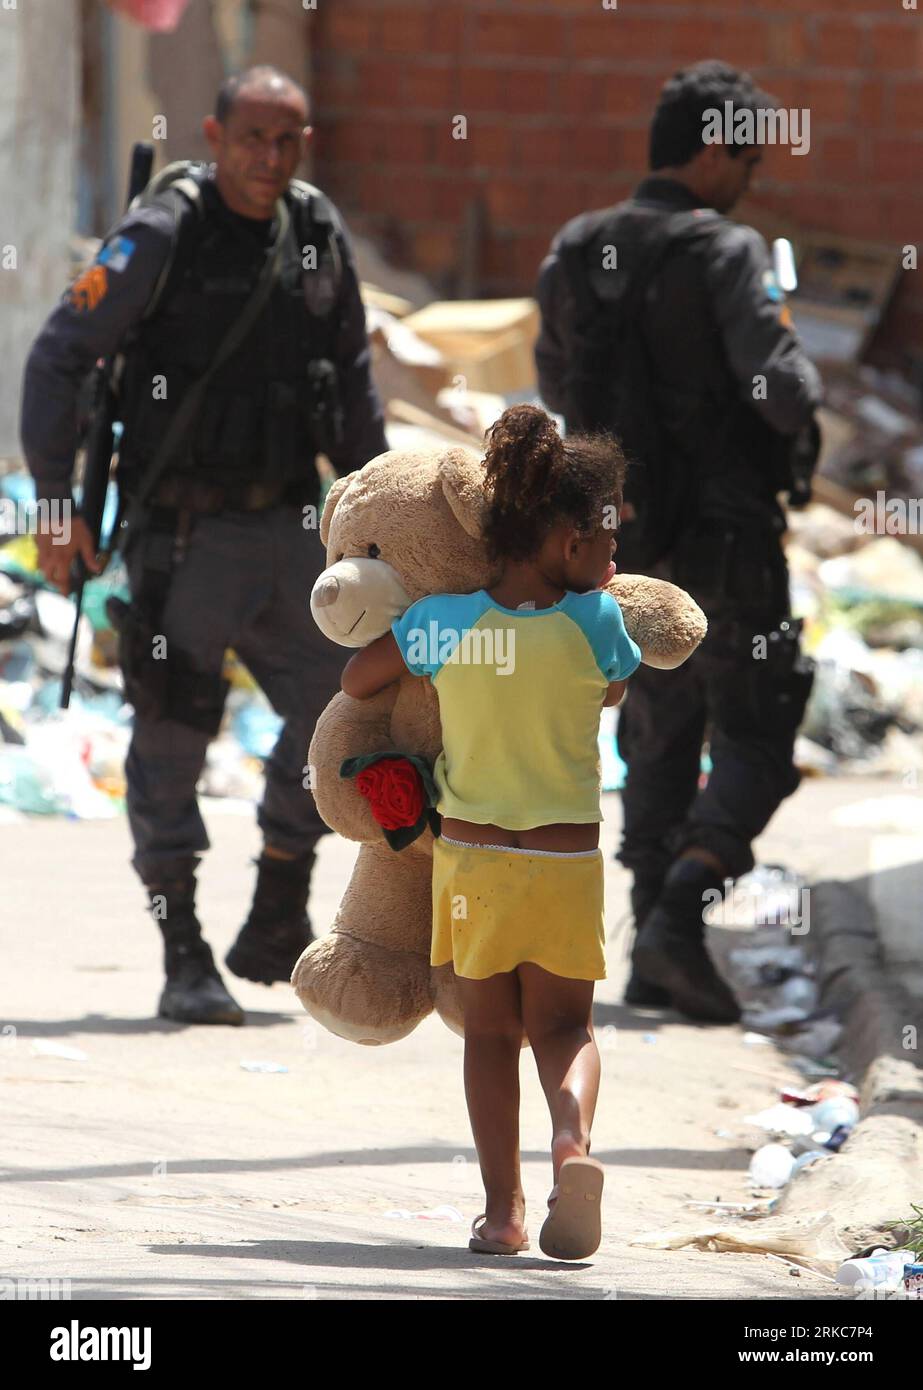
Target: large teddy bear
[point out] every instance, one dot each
(407, 525)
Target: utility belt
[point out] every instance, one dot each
(195, 495)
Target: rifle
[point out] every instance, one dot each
(100, 440)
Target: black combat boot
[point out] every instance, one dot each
(194, 992)
(670, 950)
(277, 930)
(645, 890)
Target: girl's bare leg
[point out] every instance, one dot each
(493, 1042)
(557, 1016)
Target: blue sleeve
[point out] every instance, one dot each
(412, 634)
(430, 630)
(617, 656)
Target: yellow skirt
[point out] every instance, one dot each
(495, 908)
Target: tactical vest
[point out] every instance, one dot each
(258, 422)
(730, 455)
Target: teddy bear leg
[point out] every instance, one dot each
(368, 978)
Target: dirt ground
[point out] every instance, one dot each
(160, 1168)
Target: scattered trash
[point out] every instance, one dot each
(884, 1269)
(750, 1209)
(838, 1138)
(881, 569)
(775, 1020)
(783, 1119)
(770, 895)
(816, 1040)
(256, 726)
(612, 769)
(443, 1213)
(45, 1047)
(771, 1166)
(834, 1111)
(264, 1066)
(821, 1090)
(757, 1040)
(71, 763)
(811, 1241)
(809, 1156)
(758, 967)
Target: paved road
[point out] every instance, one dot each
(160, 1168)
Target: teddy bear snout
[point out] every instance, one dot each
(326, 591)
(356, 599)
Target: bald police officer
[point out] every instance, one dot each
(232, 297)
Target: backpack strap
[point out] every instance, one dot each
(669, 232)
(317, 224)
(183, 190)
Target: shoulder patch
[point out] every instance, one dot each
(117, 253)
(772, 287)
(88, 289)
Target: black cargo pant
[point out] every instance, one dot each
(245, 583)
(745, 688)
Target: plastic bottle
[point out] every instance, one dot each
(838, 1138)
(835, 1111)
(882, 1267)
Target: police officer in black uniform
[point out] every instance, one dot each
(230, 298)
(663, 320)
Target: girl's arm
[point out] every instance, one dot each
(371, 669)
(614, 694)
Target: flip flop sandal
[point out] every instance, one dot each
(494, 1247)
(573, 1229)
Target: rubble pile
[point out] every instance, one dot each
(446, 370)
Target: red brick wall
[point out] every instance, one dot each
(557, 96)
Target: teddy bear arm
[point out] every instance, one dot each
(663, 619)
(349, 728)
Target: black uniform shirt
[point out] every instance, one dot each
(110, 297)
(748, 308)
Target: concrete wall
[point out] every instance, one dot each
(38, 149)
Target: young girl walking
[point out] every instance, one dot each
(522, 672)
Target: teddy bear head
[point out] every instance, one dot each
(409, 524)
(405, 525)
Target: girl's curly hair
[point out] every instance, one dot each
(536, 479)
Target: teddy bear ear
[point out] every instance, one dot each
(333, 497)
(462, 477)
